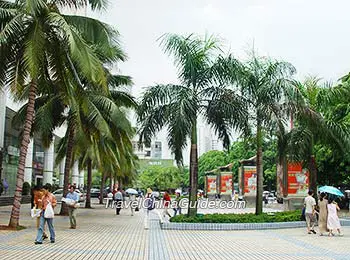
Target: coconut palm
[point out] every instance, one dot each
(202, 92)
(265, 84)
(39, 45)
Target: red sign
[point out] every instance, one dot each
(250, 180)
(298, 180)
(211, 184)
(226, 183)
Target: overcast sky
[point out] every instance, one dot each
(311, 34)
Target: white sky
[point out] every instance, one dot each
(311, 34)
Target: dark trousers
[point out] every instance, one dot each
(118, 206)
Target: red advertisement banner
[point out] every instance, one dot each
(250, 180)
(298, 180)
(211, 184)
(226, 183)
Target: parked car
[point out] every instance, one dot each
(95, 193)
(59, 194)
(271, 198)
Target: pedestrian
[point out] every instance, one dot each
(110, 199)
(46, 201)
(38, 194)
(166, 203)
(118, 197)
(150, 205)
(72, 207)
(132, 198)
(177, 208)
(333, 219)
(6, 185)
(323, 213)
(309, 204)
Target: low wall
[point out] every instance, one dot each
(239, 226)
(8, 200)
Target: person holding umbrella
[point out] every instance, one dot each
(333, 219)
(332, 208)
(132, 198)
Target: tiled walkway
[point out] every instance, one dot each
(103, 235)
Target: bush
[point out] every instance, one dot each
(25, 188)
(287, 216)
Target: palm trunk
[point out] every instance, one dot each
(111, 184)
(67, 167)
(282, 180)
(103, 180)
(259, 170)
(14, 219)
(313, 174)
(89, 184)
(192, 207)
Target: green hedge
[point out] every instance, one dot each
(287, 216)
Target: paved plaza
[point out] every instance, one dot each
(103, 235)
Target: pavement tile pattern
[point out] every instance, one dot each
(101, 234)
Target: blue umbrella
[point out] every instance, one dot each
(331, 190)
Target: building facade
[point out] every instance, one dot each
(40, 165)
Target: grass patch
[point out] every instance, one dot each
(287, 216)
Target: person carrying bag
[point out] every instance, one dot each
(48, 202)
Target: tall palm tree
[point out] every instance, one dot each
(314, 124)
(33, 33)
(202, 72)
(264, 84)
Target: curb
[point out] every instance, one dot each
(238, 226)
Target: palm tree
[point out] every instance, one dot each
(314, 124)
(39, 46)
(202, 92)
(264, 85)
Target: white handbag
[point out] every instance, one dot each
(49, 213)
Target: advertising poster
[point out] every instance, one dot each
(226, 183)
(250, 180)
(298, 180)
(211, 184)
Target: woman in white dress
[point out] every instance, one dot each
(332, 218)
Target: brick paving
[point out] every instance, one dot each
(103, 235)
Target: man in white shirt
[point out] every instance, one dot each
(309, 204)
(118, 197)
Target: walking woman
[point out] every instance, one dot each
(332, 219)
(322, 217)
(47, 199)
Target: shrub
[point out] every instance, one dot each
(25, 188)
(287, 216)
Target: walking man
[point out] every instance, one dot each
(72, 208)
(309, 204)
(118, 200)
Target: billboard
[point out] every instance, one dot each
(298, 180)
(250, 180)
(211, 184)
(226, 183)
